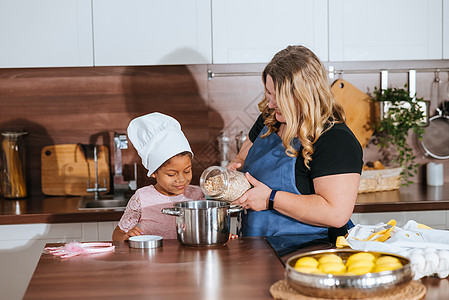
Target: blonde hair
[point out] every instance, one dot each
(304, 98)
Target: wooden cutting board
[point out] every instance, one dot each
(66, 168)
(78, 175)
(361, 112)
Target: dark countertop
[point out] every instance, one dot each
(42, 209)
(243, 268)
(411, 198)
(51, 210)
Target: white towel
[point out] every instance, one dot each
(427, 249)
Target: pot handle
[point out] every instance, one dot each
(172, 211)
(234, 208)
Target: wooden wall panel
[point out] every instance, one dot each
(86, 105)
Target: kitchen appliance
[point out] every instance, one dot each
(239, 140)
(223, 147)
(435, 140)
(121, 187)
(13, 183)
(67, 168)
(347, 286)
(285, 245)
(202, 222)
(360, 111)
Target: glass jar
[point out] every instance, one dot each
(223, 184)
(13, 165)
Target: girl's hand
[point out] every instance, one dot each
(133, 232)
(255, 198)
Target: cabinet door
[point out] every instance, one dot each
(445, 29)
(151, 32)
(45, 33)
(385, 30)
(252, 31)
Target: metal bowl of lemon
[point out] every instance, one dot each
(348, 274)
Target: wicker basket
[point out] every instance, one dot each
(380, 180)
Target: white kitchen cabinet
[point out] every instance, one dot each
(152, 32)
(45, 33)
(445, 29)
(252, 31)
(366, 30)
(21, 246)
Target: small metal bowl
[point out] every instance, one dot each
(145, 241)
(347, 286)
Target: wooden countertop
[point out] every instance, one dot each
(411, 198)
(51, 210)
(64, 209)
(242, 269)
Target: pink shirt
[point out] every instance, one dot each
(145, 207)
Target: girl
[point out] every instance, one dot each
(166, 153)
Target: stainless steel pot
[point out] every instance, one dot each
(203, 222)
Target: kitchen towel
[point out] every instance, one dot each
(427, 248)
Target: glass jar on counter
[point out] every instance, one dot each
(223, 184)
(13, 183)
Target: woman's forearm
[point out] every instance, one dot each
(241, 156)
(331, 206)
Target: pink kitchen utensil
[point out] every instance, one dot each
(74, 248)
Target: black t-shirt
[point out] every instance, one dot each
(337, 151)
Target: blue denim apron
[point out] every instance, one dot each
(267, 162)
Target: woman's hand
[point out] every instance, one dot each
(133, 232)
(255, 198)
(233, 165)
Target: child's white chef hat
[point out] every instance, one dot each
(157, 138)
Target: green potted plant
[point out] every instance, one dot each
(401, 114)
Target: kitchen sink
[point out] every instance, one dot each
(106, 202)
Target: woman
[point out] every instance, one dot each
(301, 158)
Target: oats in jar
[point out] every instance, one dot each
(223, 184)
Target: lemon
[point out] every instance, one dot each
(330, 258)
(365, 256)
(362, 263)
(387, 263)
(306, 262)
(359, 270)
(332, 268)
(387, 260)
(310, 270)
(387, 267)
(361, 267)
